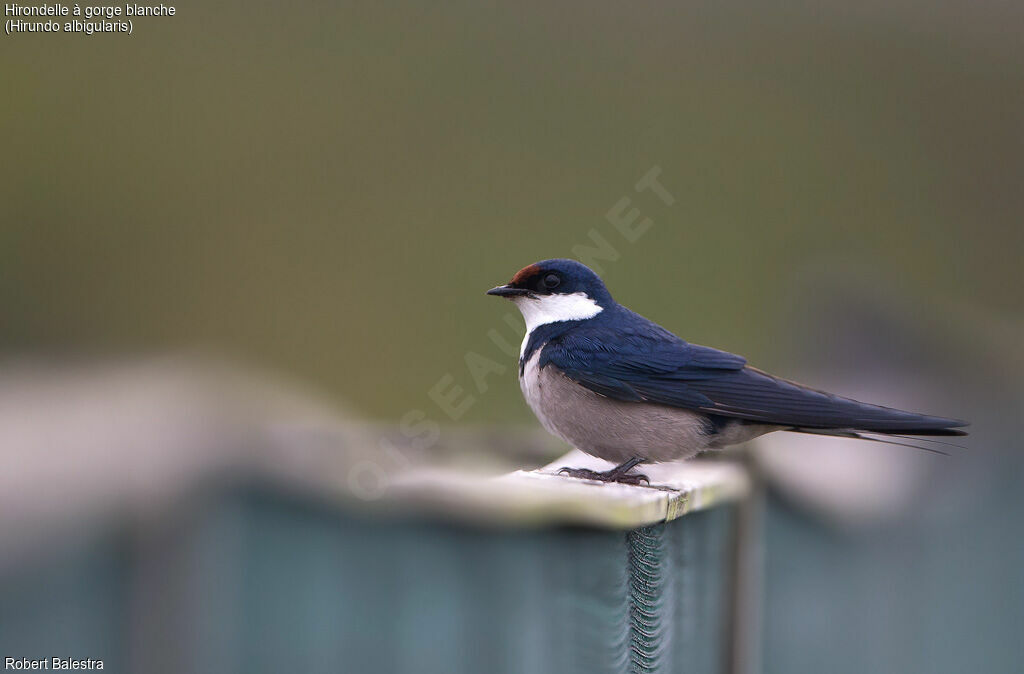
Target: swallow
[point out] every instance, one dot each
(622, 388)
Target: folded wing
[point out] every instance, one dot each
(652, 365)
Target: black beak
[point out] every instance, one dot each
(507, 291)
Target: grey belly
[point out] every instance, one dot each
(615, 430)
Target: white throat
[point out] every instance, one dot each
(544, 309)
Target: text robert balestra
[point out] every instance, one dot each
(52, 663)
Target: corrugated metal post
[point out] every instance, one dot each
(647, 595)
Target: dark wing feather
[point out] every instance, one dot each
(647, 363)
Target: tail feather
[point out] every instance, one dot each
(878, 419)
(884, 439)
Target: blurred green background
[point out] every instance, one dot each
(326, 190)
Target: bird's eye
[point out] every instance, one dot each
(551, 281)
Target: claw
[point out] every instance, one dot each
(635, 479)
(613, 475)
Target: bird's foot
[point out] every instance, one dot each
(613, 475)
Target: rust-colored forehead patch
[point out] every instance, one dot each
(525, 273)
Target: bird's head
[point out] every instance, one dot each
(556, 290)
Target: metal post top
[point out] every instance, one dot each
(542, 497)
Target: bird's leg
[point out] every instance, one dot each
(619, 473)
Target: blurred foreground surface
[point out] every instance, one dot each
(221, 531)
(174, 515)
